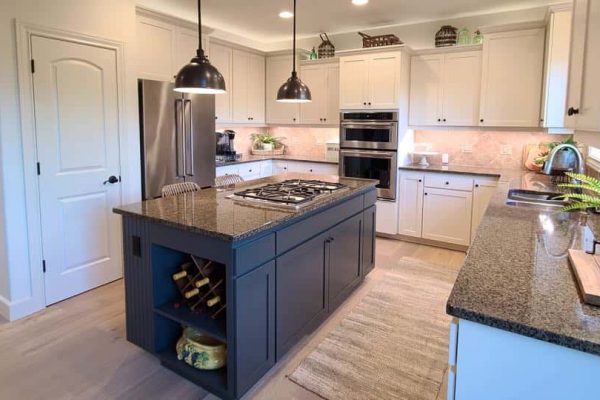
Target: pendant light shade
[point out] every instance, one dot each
(199, 76)
(294, 90)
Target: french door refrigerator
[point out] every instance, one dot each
(177, 137)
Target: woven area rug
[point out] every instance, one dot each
(392, 345)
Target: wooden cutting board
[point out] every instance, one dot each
(587, 270)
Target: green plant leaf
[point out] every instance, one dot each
(575, 207)
(584, 186)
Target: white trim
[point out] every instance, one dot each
(519, 26)
(183, 23)
(37, 301)
(449, 49)
(4, 307)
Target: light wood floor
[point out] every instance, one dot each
(76, 349)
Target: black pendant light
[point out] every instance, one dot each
(199, 76)
(294, 90)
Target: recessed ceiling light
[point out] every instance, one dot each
(287, 14)
(359, 2)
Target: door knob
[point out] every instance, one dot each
(572, 111)
(111, 179)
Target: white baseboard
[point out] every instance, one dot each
(18, 309)
(4, 308)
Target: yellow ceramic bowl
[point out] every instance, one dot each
(201, 351)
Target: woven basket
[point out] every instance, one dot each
(379, 41)
(275, 152)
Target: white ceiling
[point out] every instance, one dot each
(258, 20)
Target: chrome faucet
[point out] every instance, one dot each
(550, 162)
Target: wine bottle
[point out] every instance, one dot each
(179, 275)
(191, 293)
(215, 300)
(202, 282)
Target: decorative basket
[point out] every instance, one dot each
(446, 36)
(201, 351)
(275, 152)
(326, 48)
(379, 41)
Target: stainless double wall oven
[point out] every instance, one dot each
(368, 149)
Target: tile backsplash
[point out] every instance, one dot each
(486, 149)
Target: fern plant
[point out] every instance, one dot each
(589, 195)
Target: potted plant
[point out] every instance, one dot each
(267, 142)
(587, 193)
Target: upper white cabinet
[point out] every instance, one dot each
(511, 85)
(279, 71)
(222, 58)
(583, 106)
(323, 81)
(556, 70)
(445, 89)
(370, 81)
(248, 87)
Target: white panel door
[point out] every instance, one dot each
(315, 77)
(426, 90)
(461, 88)
(512, 78)
(410, 204)
(447, 215)
(384, 80)
(354, 82)
(76, 118)
(221, 57)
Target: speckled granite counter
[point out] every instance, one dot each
(246, 158)
(210, 212)
(517, 275)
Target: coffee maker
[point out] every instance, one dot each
(225, 148)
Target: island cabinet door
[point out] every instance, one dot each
(255, 327)
(368, 240)
(301, 291)
(344, 259)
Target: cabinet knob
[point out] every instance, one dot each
(369, 103)
(481, 120)
(311, 170)
(425, 193)
(294, 119)
(324, 119)
(420, 180)
(447, 183)
(476, 185)
(444, 120)
(365, 103)
(216, 117)
(572, 111)
(249, 170)
(439, 120)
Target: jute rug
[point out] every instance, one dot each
(392, 345)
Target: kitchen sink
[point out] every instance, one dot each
(531, 198)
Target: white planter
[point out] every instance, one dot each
(267, 146)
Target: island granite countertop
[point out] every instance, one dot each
(248, 158)
(211, 213)
(516, 275)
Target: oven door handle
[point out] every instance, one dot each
(372, 125)
(378, 154)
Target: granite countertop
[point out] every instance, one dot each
(211, 213)
(246, 158)
(517, 276)
(459, 169)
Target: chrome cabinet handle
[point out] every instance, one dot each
(188, 129)
(179, 140)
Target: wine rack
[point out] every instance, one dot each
(201, 283)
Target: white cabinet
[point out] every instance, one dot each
(248, 87)
(556, 71)
(280, 167)
(370, 81)
(186, 46)
(323, 81)
(307, 167)
(584, 80)
(445, 89)
(222, 58)
(447, 215)
(483, 190)
(250, 171)
(265, 168)
(512, 70)
(278, 71)
(410, 203)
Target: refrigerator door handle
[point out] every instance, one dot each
(179, 139)
(189, 133)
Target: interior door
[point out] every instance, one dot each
(77, 129)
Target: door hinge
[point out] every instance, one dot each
(32, 66)
(44, 266)
(39, 168)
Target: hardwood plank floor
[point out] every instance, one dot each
(76, 349)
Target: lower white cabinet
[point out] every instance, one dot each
(483, 190)
(447, 215)
(411, 203)
(261, 169)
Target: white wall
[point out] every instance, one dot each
(109, 19)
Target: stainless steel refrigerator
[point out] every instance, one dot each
(177, 137)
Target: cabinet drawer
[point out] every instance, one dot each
(250, 170)
(449, 181)
(228, 170)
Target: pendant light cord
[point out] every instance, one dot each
(294, 47)
(200, 49)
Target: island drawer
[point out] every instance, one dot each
(254, 254)
(301, 231)
(449, 181)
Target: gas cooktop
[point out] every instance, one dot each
(289, 194)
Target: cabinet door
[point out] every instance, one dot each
(410, 207)
(344, 259)
(576, 59)
(239, 101)
(222, 58)
(461, 86)
(250, 171)
(155, 49)
(354, 82)
(447, 215)
(256, 88)
(332, 107)
(588, 118)
(368, 240)
(483, 190)
(279, 167)
(279, 71)
(266, 168)
(426, 90)
(384, 80)
(315, 77)
(300, 292)
(255, 327)
(512, 78)
(186, 44)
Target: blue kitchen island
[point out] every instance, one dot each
(285, 270)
